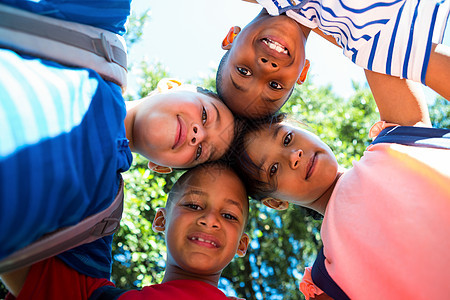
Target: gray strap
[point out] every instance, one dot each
(100, 46)
(88, 230)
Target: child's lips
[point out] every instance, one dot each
(276, 46)
(180, 133)
(311, 166)
(204, 240)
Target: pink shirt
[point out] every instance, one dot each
(386, 229)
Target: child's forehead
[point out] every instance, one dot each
(205, 181)
(205, 177)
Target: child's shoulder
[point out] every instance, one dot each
(186, 289)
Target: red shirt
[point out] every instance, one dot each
(52, 279)
(177, 289)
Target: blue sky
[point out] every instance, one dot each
(185, 37)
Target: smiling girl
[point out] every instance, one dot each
(384, 220)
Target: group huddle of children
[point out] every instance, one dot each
(385, 219)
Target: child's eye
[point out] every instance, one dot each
(273, 169)
(199, 152)
(275, 85)
(244, 71)
(229, 216)
(193, 206)
(204, 116)
(287, 139)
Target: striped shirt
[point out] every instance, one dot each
(62, 140)
(62, 149)
(392, 37)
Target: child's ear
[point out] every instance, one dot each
(243, 245)
(304, 72)
(159, 222)
(159, 169)
(229, 38)
(166, 84)
(276, 204)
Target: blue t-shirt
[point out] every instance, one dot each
(63, 142)
(107, 14)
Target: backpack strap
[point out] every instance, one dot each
(68, 43)
(101, 224)
(415, 136)
(323, 280)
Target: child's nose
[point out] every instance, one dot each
(197, 136)
(294, 158)
(267, 63)
(209, 220)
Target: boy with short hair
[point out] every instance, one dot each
(203, 222)
(264, 60)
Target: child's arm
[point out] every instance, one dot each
(15, 280)
(327, 37)
(399, 101)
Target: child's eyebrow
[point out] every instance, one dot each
(192, 191)
(264, 158)
(276, 131)
(235, 203)
(236, 85)
(268, 99)
(217, 111)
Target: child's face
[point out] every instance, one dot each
(295, 161)
(264, 62)
(205, 226)
(183, 128)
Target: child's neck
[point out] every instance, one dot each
(176, 273)
(129, 120)
(320, 205)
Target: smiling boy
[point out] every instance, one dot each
(263, 62)
(398, 39)
(203, 222)
(191, 125)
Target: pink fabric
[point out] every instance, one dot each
(387, 225)
(378, 127)
(307, 286)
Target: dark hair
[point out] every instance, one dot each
(248, 170)
(242, 162)
(219, 74)
(207, 92)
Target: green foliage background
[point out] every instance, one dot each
(283, 243)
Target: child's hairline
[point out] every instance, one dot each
(181, 184)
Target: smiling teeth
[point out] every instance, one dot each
(275, 46)
(204, 241)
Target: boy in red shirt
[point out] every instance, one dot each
(203, 222)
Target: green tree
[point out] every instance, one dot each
(282, 243)
(440, 113)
